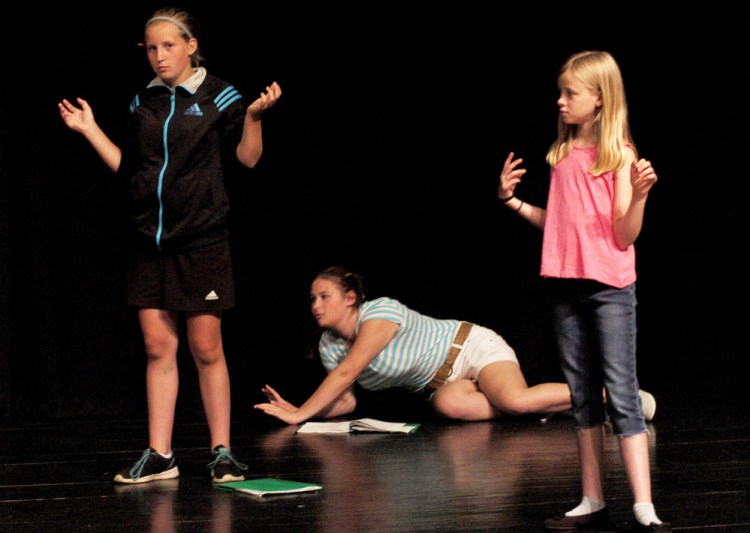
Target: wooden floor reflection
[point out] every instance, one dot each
(501, 476)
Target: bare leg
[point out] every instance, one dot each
(462, 400)
(162, 380)
(634, 450)
(591, 453)
(204, 337)
(501, 389)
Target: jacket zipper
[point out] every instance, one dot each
(163, 170)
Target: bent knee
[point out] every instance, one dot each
(348, 402)
(450, 406)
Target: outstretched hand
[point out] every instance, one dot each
(76, 118)
(265, 100)
(277, 406)
(642, 177)
(510, 177)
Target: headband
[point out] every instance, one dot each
(174, 21)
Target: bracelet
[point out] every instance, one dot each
(519, 206)
(506, 200)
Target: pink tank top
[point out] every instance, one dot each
(579, 240)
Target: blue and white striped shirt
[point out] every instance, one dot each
(410, 359)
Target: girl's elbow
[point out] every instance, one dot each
(249, 158)
(248, 162)
(347, 376)
(625, 233)
(622, 245)
(624, 241)
(114, 165)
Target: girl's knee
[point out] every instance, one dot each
(451, 406)
(207, 358)
(159, 347)
(206, 353)
(443, 405)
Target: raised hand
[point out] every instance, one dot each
(265, 100)
(510, 177)
(80, 119)
(642, 177)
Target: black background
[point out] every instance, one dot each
(382, 155)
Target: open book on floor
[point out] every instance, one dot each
(361, 424)
(268, 486)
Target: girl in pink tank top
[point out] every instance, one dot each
(594, 213)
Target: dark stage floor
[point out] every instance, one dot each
(501, 476)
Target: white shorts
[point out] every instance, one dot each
(482, 347)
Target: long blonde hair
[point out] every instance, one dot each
(598, 72)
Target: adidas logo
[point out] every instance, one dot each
(194, 110)
(211, 296)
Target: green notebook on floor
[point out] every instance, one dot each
(268, 486)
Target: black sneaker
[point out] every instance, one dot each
(150, 467)
(224, 467)
(596, 520)
(663, 527)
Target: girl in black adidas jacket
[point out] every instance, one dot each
(180, 124)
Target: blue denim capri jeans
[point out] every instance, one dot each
(595, 325)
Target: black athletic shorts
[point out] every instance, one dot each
(196, 280)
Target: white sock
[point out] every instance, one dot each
(645, 513)
(587, 506)
(169, 456)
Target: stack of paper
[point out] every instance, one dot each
(361, 424)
